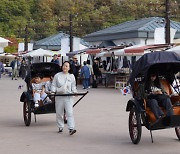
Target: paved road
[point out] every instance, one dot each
(101, 123)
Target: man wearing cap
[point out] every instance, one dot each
(55, 59)
(75, 67)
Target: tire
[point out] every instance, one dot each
(135, 127)
(27, 113)
(177, 130)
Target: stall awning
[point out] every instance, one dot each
(93, 51)
(142, 49)
(71, 54)
(104, 54)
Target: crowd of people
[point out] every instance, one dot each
(65, 82)
(19, 68)
(87, 74)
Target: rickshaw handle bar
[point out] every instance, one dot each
(72, 94)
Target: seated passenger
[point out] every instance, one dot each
(157, 97)
(39, 91)
(48, 84)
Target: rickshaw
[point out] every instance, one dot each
(45, 70)
(167, 64)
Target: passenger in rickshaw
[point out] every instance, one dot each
(48, 84)
(38, 88)
(157, 97)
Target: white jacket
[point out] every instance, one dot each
(64, 83)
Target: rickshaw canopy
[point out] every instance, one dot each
(46, 69)
(163, 62)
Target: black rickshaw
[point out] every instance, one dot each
(167, 64)
(45, 70)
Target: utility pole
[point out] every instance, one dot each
(26, 39)
(70, 33)
(167, 26)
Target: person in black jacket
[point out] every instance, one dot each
(23, 69)
(75, 66)
(96, 70)
(157, 97)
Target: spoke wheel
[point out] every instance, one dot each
(27, 113)
(177, 130)
(135, 127)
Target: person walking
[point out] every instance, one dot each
(85, 75)
(75, 67)
(91, 73)
(15, 64)
(1, 69)
(23, 69)
(64, 83)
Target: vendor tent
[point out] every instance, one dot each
(123, 52)
(6, 58)
(139, 50)
(93, 51)
(39, 52)
(104, 54)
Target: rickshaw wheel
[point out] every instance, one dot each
(135, 127)
(177, 130)
(27, 113)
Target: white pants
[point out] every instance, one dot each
(38, 97)
(64, 102)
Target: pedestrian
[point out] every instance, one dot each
(55, 59)
(96, 70)
(23, 69)
(91, 73)
(75, 67)
(15, 64)
(85, 75)
(1, 69)
(64, 83)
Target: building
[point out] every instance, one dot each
(54, 42)
(131, 32)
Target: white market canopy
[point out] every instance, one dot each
(7, 55)
(123, 52)
(39, 52)
(3, 44)
(139, 50)
(2, 40)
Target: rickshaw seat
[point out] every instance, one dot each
(166, 86)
